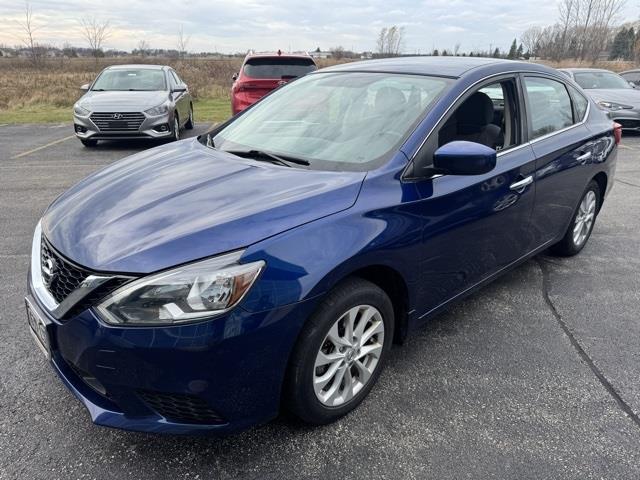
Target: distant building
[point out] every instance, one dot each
(366, 55)
(320, 54)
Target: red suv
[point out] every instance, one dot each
(264, 72)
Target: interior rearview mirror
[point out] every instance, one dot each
(85, 87)
(464, 158)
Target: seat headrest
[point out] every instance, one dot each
(389, 98)
(477, 110)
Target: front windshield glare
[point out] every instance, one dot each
(596, 80)
(123, 80)
(335, 121)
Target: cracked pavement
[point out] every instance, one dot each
(535, 376)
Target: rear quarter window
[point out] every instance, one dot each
(278, 67)
(580, 103)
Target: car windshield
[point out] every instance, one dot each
(278, 67)
(597, 80)
(144, 79)
(335, 121)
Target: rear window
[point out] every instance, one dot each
(596, 80)
(278, 67)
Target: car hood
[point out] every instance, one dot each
(628, 96)
(183, 201)
(122, 101)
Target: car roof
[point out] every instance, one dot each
(277, 55)
(136, 65)
(576, 70)
(440, 66)
(633, 70)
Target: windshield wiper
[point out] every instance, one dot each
(270, 157)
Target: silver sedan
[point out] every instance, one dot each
(133, 101)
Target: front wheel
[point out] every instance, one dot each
(190, 123)
(582, 222)
(176, 128)
(340, 352)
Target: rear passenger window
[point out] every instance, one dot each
(579, 103)
(549, 106)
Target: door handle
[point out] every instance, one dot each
(583, 158)
(520, 185)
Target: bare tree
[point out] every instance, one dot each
(95, 32)
(531, 40)
(143, 48)
(390, 40)
(182, 42)
(28, 37)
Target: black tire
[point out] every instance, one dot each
(189, 125)
(176, 128)
(568, 246)
(299, 394)
(89, 143)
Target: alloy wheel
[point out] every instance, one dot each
(584, 218)
(348, 356)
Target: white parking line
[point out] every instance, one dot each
(29, 152)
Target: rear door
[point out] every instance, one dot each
(564, 152)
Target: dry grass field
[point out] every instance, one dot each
(47, 93)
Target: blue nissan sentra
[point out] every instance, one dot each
(204, 285)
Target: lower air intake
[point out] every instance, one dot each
(181, 408)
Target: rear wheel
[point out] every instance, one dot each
(189, 125)
(340, 352)
(88, 143)
(581, 226)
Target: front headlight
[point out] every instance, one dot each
(79, 110)
(613, 105)
(159, 110)
(184, 294)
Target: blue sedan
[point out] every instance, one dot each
(202, 286)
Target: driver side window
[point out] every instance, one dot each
(488, 116)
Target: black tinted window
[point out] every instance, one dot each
(549, 106)
(278, 67)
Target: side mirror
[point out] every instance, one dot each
(179, 89)
(633, 85)
(85, 87)
(464, 158)
(234, 77)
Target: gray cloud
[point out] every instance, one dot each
(232, 26)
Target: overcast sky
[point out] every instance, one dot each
(235, 26)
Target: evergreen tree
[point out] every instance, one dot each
(445, 53)
(513, 50)
(520, 52)
(435, 52)
(496, 53)
(619, 45)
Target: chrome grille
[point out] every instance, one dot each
(118, 122)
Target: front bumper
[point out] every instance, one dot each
(152, 127)
(217, 376)
(628, 118)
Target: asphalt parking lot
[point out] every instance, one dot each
(536, 376)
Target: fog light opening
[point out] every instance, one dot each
(162, 128)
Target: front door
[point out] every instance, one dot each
(475, 226)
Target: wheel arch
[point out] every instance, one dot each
(602, 180)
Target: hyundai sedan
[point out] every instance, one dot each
(271, 263)
(132, 102)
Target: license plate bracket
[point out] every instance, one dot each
(38, 327)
